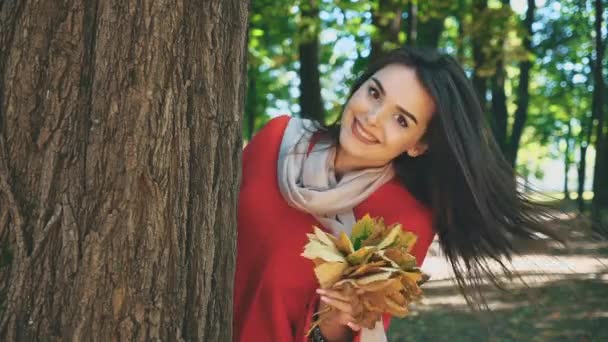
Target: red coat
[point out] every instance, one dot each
(274, 294)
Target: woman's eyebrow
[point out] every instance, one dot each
(383, 92)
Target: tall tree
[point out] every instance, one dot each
(523, 91)
(311, 101)
(480, 77)
(120, 135)
(600, 177)
(387, 23)
(412, 23)
(430, 20)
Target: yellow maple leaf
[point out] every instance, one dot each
(344, 244)
(329, 273)
(316, 249)
(362, 255)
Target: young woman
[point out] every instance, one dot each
(411, 146)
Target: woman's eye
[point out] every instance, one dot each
(401, 120)
(373, 92)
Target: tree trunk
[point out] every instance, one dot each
(582, 169)
(387, 21)
(120, 140)
(480, 82)
(311, 102)
(600, 177)
(567, 160)
(412, 23)
(430, 31)
(499, 106)
(523, 91)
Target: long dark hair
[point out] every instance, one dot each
(479, 211)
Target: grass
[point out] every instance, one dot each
(566, 310)
(561, 303)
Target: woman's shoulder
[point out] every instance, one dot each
(274, 128)
(394, 195)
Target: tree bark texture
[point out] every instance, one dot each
(120, 136)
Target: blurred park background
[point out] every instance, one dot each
(540, 68)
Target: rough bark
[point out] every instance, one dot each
(311, 101)
(120, 134)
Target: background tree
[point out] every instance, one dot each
(311, 101)
(120, 136)
(600, 174)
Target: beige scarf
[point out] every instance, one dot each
(308, 183)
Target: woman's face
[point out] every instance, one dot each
(385, 117)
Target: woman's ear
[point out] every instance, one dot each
(418, 150)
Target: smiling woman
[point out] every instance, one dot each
(411, 147)
(384, 121)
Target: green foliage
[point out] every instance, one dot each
(560, 86)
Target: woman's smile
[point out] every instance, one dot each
(362, 134)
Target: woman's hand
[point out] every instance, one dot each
(338, 324)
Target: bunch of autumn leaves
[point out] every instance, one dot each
(373, 267)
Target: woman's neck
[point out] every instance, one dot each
(345, 163)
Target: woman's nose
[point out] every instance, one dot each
(373, 116)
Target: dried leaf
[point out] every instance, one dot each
(324, 237)
(329, 273)
(412, 277)
(344, 244)
(407, 240)
(365, 269)
(316, 249)
(318, 261)
(361, 256)
(391, 237)
(401, 257)
(373, 268)
(377, 235)
(312, 237)
(374, 277)
(399, 298)
(384, 286)
(394, 308)
(362, 230)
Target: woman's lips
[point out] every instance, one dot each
(360, 133)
